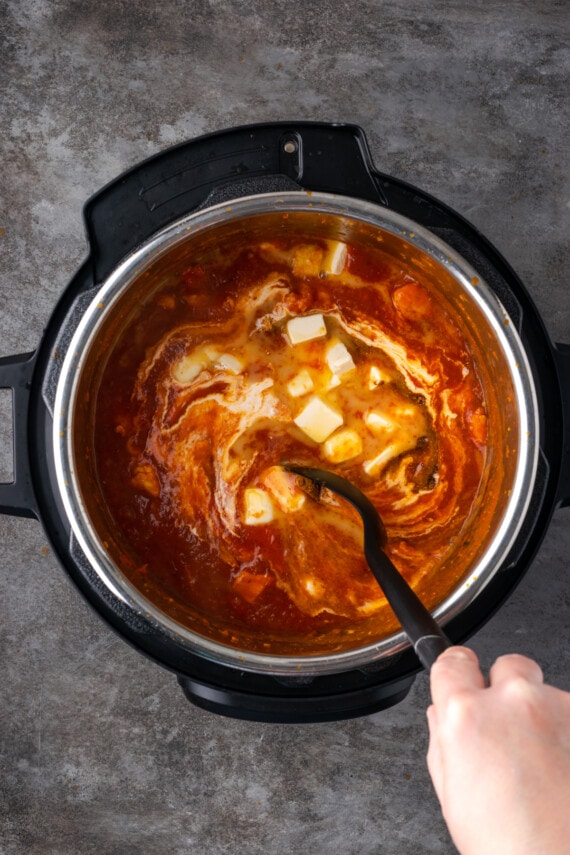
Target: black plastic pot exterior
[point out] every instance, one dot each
(198, 174)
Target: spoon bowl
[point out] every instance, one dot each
(423, 631)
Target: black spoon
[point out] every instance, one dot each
(424, 632)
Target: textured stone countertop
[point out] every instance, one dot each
(101, 753)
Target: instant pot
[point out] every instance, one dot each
(281, 166)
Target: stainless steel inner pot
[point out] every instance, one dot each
(482, 314)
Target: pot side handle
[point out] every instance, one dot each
(17, 498)
(562, 355)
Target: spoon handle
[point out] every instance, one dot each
(429, 647)
(422, 629)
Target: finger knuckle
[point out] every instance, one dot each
(461, 712)
(512, 665)
(519, 690)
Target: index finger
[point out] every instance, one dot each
(456, 670)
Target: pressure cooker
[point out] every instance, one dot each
(193, 189)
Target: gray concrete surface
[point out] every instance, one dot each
(100, 752)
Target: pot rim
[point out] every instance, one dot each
(196, 223)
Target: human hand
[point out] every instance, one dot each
(499, 756)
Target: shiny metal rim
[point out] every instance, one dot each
(193, 224)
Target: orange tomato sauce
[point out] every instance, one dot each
(201, 399)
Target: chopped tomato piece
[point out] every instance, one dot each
(193, 276)
(412, 301)
(307, 260)
(250, 585)
(166, 301)
(146, 479)
(478, 427)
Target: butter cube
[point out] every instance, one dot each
(376, 376)
(332, 382)
(305, 328)
(342, 445)
(212, 352)
(230, 363)
(188, 368)
(378, 423)
(301, 384)
(318, 420)
(335, 259)
(258, 507)
(406, 412)
(339, 359)
(371, 467)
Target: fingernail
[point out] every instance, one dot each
(459, 653)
